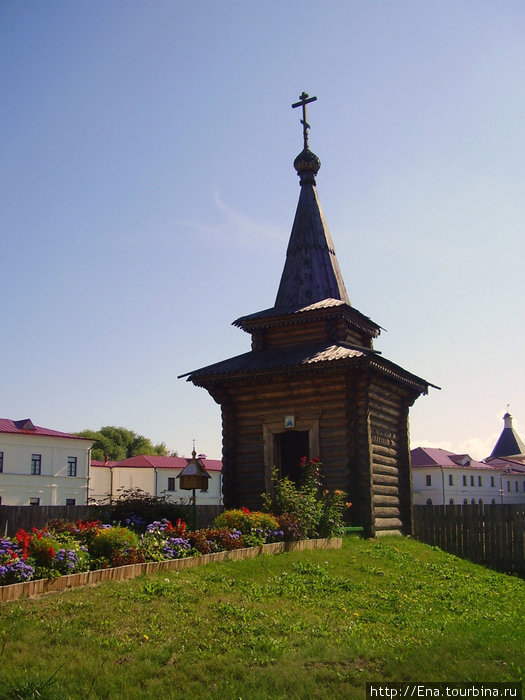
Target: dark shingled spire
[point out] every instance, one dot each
(509, 443)
(311, 271)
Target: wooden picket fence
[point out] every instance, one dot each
(12, 518)
(493, 535)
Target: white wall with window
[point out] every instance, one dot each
(155, 475)
(40, 466)
(440, 477)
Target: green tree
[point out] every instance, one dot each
(121, 443)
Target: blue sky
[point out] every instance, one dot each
(147, 196)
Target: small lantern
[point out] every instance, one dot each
(194, 477)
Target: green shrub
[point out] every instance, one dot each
(313, 512)
(301, 502)
(256, 527)
(110, 541)
(136, 508)
(245, 520)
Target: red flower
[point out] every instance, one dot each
(302, 462)
(181, 527)
(23, 540)
(245, 510)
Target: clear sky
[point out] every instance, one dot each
(147, 194)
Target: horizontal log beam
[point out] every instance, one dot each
(385, 479)
(386, 512)
(384, 469)
(382, 500)
(388, 523)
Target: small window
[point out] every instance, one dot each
(480, 501)
(480, 482)
(464, 480)
(71, 466)
(171, 483)
(493, 501)
(1, 462)
(465, 501)
(516, 486)
(508, 485)
(450, 480)
(451, 502)
(429, 501)
(36, 465)
(471, 480)
(34, 501)
(71, 501)
(429, 480)
(492, 482)
(473, 501)
(0, 500)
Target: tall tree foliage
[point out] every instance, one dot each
(121, 443)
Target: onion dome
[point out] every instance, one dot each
(307, 165)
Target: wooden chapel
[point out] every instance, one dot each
(313, 385)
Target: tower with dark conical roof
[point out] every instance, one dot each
(313, 385)
(509, 444)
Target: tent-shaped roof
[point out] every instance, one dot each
(509, 443)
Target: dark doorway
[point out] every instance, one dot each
(290, 447)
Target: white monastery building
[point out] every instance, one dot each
(39, 466)
(156, 476)
(440, 477)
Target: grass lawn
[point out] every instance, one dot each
(315, 624)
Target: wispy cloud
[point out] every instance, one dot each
(236, 227)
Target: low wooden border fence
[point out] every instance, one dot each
(493, 535)
(123, 573)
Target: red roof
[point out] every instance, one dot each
(26, 427)
(512, 466)
(436, 457)
(102, 463)
(158, 462)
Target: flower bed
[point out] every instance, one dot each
(63, 547)
(82, 549)
(123, 573)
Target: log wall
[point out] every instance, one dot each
(390, 458)
(358, 425)
(322, 394)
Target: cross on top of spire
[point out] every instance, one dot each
(304, 99)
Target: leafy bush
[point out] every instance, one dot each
(301, 502)
(135, 508)
(289, 526)
(154, 542)
(245, 520)
(210, 540)
(256, 527)
(134, 555)
(13, 568)
(332, 516)
(316, 513)
(110, 541)
(51, 554)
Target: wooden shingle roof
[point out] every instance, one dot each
(311, 271)
(295, 358)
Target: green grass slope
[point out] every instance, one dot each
(313, 624)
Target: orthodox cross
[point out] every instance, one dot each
(304, 100)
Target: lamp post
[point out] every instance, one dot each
(194, 477)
